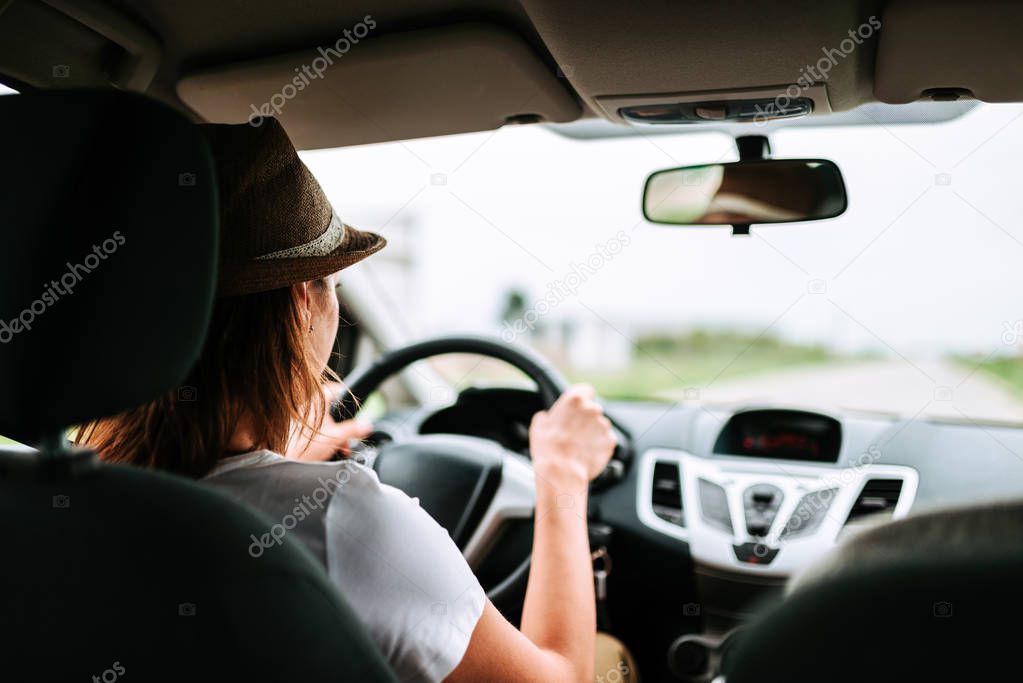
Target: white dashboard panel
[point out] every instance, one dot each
(712, 546)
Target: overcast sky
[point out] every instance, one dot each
(926, 259)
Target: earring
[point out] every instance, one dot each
(310, 328)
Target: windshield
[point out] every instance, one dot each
(908, 303)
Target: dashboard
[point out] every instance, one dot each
(719, 505)
(500, 414)
(765, 490)
(771, 496)
(764, 517)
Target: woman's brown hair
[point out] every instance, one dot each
(257, 364)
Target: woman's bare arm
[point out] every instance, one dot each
(570, 444)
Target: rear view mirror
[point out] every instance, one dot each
(745, 192)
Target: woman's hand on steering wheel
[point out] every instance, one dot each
(573, 438)
(332, 437)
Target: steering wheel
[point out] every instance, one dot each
(470, 485)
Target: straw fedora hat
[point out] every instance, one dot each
(277, 228)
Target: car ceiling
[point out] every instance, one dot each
(436, 67)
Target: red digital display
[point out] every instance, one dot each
(768, 444)
(781, 434)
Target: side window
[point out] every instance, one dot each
(393, 393)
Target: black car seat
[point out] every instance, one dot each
(109, 234)
(932, 597)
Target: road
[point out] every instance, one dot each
(936, 387)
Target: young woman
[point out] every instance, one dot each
(257, 392)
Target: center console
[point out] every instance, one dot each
(774, 491)
(771, 496)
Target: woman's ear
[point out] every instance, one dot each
(303, 287)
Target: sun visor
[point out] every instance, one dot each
(946, 49)
(366, 88)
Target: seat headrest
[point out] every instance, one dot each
(107, 271)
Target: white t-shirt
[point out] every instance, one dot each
(397, 568)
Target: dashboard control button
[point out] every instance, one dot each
(760, 503)
(688, 658)
(754, 553)
(757, 529)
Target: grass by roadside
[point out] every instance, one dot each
(1007, 369)
(663, 364)
(659, 364)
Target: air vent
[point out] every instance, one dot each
(666, 493)
(878, 497)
